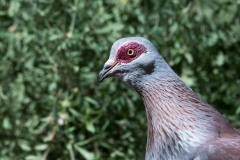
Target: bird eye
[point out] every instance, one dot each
(131, 52)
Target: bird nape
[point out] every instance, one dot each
(181, 126)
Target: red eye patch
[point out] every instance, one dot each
(130, 51)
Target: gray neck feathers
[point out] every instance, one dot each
(178, 121)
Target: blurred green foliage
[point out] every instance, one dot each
(50, 54)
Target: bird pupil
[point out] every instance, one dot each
(130, 51)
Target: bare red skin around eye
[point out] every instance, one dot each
(122, 55)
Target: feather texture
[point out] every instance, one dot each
(178, 120)
(181, 126)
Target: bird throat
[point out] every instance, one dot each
(174, 113)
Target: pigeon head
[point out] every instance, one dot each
(131, 59)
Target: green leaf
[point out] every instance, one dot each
(85, 153)
(6, 123)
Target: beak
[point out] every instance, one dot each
(106, 71)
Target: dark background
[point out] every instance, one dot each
(50, 54)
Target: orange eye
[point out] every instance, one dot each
(131, 52)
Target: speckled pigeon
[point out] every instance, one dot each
(181, 126)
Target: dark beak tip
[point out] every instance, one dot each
(101, 76)
(104, 73)
(99, 80)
